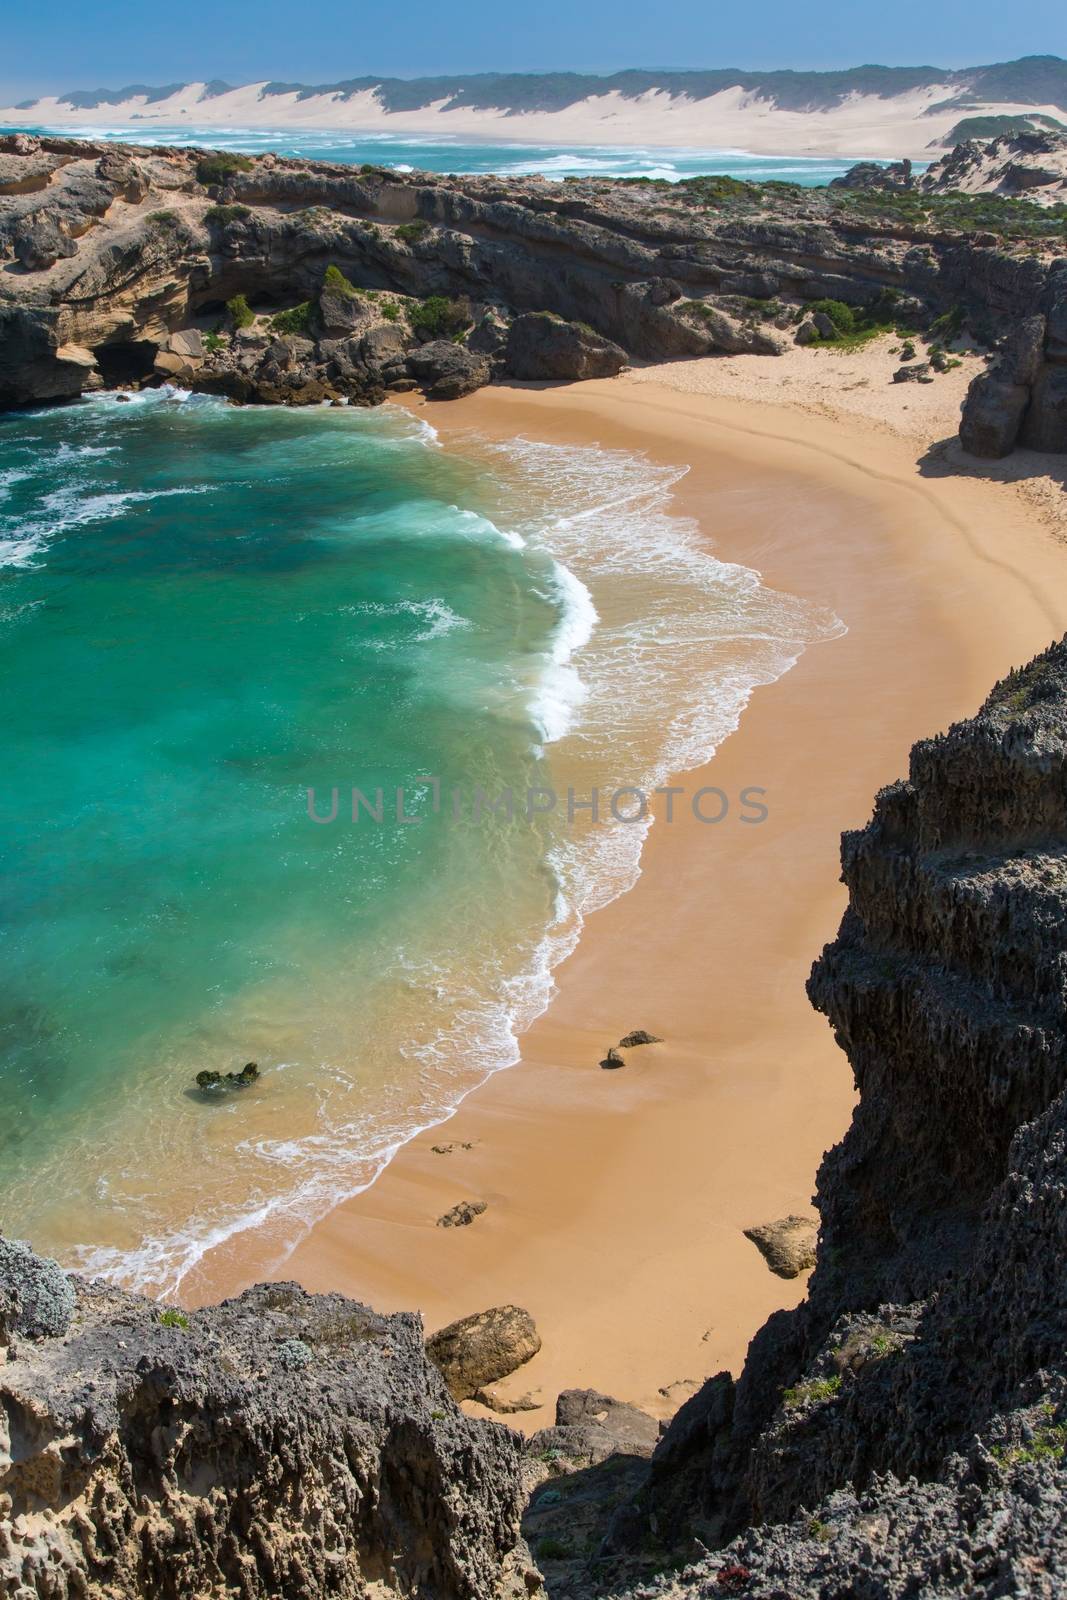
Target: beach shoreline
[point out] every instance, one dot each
(616, 1200)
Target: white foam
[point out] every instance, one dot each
(653, 691)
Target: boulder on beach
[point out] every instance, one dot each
(612, 1060)
(630, 1041)
(483, 1348)
(462, 1215)
(787, 1246)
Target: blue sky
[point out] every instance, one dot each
(68, 44)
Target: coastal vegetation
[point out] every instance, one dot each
(240, 311)
(220, 165)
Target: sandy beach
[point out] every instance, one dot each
(616, 1200)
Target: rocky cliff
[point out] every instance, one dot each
(292, 281)
(904, 1432)
(279, 1444)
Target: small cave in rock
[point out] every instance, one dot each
(126, 361)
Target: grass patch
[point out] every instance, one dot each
(816, 1389)
(164, 219)
(1048, 1443)
(411, 232)
(219, 216)
(220, 166)
(550, 1549)
(174, 1319)
(336, 283)
(296, 320)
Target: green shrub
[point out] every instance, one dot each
(296, 320)
(220, 166)
(438, 318)
(336, 282)
(550, 1549)
(241, 312)
(950, 324)
(164, 219)
(411, 231)
(213, 342)
(391, 311)
(842, 316)
(221, 215)
(174, 1319)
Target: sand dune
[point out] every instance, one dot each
(862, 125)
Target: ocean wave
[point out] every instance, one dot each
(436, 614)
(657, 649)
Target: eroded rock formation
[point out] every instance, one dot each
(279, 1444)
(904, 1431)
(124, 265)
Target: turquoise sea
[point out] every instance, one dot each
(206, 611)
(439, 153)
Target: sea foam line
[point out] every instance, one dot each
(585, 541)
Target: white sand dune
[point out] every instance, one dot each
(862, 125)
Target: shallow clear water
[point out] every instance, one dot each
(439, 153)
(204, 612)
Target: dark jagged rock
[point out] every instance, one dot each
(36, 1296)
(447, 371)
(541, 346)
(904, 1431)
(867, 175)
(630, 1041)
(279, 1444)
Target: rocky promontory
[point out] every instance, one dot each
(287, 281)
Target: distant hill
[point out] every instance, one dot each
(1033, 80)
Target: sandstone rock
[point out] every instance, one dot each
(542, 346)
(992, 416)
(447, 371)
(825, 328)
(188, 343)
(124, 174)
(913, 372)
(506, 1405)
(39, 245)
(483, 1348)
(76, 355)
(463, 1214)
(1022, 353)
(806, 332)
(787, 1246)
(339, 314)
